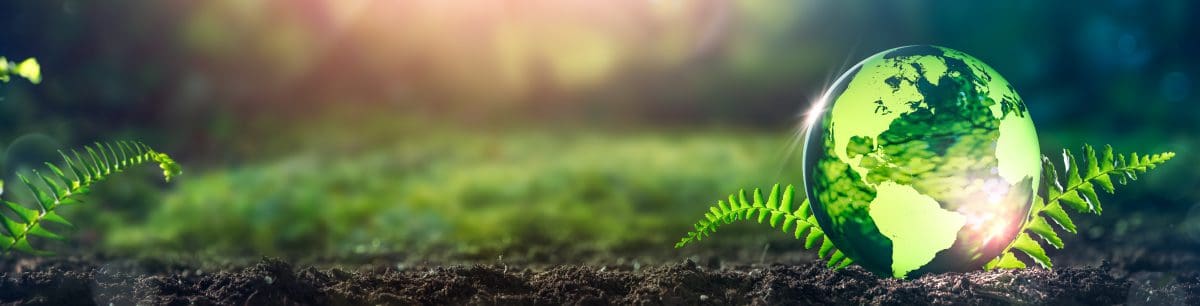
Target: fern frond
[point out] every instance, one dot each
(61, 189)
(778, 211)
(1078, 192)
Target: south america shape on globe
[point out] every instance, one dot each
(921, 159)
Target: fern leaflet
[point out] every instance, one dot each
(1077, 192)
(778, 211)
(59, 189)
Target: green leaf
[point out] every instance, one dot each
(845, 262)
(1093, 165)
(826, 246)
(804, 211)
(44, 200)
(93, 166)
(758, 200)
(99, 164)
(1005, 261)
(22, 244)
(105, 164)
(1050, 179)
(776, 217)
(835, 258)
(1033, 249)
(56, 190)
(1130, 169)
(773, 199)
(14, 228)
(125, 154)
(1105, 182)
(741, 199)
(117, 161)
(785, 203)
(814, 235)
(77, 170)
(25, 214)
(54, 217)
(1103, 169)
(142, 152)
(1042, 228)
(38, 230)
(1106, 161)
(1056, 213)
(61, 176)
(1072, 170)
(788, 221)
(6, 241)
(801, 226)
(1089, 194)
(1071, 198)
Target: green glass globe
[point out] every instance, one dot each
(921, 159)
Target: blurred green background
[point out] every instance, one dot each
(552, 130)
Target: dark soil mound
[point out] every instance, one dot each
(74, 281)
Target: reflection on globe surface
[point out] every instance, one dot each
(921, 159)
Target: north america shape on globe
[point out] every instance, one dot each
(922, 159)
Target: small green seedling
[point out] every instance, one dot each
(1076, 191)
(63, 188)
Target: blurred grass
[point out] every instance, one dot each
(395, 188)
(346, 185)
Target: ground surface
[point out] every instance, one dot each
(70, 281)
(1124, 258)
(1130, 257)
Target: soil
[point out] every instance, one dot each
(1129, 258)
(85, 281)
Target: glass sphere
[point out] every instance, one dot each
(921, 159)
